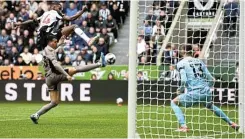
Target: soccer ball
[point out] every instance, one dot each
(119, 101)
(110, 58)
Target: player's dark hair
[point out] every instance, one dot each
(168, 46)
(188, 49)
(51, 38)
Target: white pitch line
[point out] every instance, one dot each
(3, 120)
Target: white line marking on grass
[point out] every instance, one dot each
(3, 120)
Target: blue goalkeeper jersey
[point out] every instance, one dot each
(194, 74)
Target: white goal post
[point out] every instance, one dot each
(149, 113)
(242, 67)
(132, 84)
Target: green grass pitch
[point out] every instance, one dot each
(64, 121)
(108, 121)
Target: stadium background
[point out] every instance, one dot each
(22, 80)
(13, 41)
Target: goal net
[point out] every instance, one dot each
(212, 28)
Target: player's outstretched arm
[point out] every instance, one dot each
(25, 23)
(183, 80)
(60, 44)
(74, 17)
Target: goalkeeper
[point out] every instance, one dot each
(198, 80)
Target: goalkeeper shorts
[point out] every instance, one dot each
(198, 96)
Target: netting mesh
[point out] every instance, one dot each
(170, 24)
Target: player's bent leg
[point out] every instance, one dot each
(80, 33)
(85, 68)
(221, 114)
(68, 30)
(55, 100)
(71, 71)
(55, 97)
(74, 70)
(179, 114)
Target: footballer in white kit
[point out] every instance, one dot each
(51, 23)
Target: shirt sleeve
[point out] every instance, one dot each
(59, 15)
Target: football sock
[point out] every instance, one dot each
(220, 113)
(179, 114)
(87, 67)
(80, 33)
(46, 108)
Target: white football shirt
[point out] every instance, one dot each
(48, 18)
